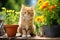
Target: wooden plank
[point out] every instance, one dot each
(37, 37)
(4, 37)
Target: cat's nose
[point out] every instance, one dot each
(25, 14)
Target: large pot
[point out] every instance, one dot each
(11, 30)
(52, 31)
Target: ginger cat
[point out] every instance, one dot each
(26, 27)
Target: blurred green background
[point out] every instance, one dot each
(11, 4)
(16, 4)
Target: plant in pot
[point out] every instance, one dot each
(11, 22)
(50, 10)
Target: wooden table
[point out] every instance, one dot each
(4, 37)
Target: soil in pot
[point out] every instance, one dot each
(52, 31)
(11, 30)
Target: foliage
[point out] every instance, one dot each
(50, 10)
(14, 4)
(11, 4)
(11, 17)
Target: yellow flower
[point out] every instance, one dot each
(46, 2)
(44, 5)
(10, 10)
(39, 1)
(40, 8)
(17, 12)
(39, 19)
(3, 8)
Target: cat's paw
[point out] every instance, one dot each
(28, 35)
(23, 35)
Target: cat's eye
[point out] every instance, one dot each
(25, 12)
(28, 12)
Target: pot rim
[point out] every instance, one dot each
(10, 25)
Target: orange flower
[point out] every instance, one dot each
(52, 7)
(45, 4)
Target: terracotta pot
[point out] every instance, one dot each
(11, 30)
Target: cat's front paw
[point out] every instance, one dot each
(23, 35)
(28, 35)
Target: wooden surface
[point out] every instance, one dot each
(4, 37)
(41, 38)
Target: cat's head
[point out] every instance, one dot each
(27, 11)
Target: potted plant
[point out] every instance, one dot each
(11, 20)
(50, 10)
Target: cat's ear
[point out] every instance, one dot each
(32, 8)
(23, 6)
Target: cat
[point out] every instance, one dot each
(26, 21)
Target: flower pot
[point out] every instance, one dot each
(52, 31)
(11, 30)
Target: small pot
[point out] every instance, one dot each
(52, 31)
(11, 30)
